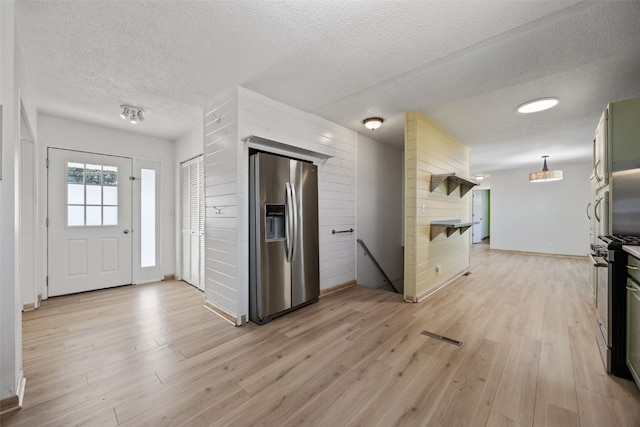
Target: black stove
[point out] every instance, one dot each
(617, 241)
(610, 263)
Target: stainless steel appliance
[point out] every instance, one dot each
(610, 262)
(283, 226)
(625, 208)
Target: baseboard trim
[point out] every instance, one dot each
(426, 294)
(169, 277)
(9, 404)
(220, 312)
(28, 307)
(509, 251)
(14, 403)
(338, 288)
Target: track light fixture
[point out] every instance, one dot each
(131, 113)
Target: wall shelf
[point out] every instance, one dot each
(449, 226)
(452, 181)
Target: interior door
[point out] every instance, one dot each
(193, 214)
(89, 221)
(476, 229)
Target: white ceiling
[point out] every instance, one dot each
(466, 64)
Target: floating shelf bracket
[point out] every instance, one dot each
(452, 182)
(449, 226)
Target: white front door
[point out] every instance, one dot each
(89, 217)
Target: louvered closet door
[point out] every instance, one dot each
(201, 221)
(193, 222)
(186, 225)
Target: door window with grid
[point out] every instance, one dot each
(92, 195)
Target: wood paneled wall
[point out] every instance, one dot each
(221, 181)
(227, 125)
(430, 150)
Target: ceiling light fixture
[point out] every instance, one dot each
(131, 113)
(372, 123)
(545, 174)
(479, 177)
(538, 105)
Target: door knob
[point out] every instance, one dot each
(126, 231)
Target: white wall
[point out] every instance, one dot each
(379, 208)
(227, 122)
(73, 135)
(15, 89)
(546, 217)
(189, 146)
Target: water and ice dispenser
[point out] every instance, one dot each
(274, 229)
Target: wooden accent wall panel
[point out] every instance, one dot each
(221, 229)
(430, 150)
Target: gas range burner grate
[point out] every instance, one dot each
(624, 240)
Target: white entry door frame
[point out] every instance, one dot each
(89, 221)
(124, 197)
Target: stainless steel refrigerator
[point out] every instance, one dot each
(283, 236)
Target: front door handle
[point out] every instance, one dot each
(126, 231)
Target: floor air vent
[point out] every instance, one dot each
(442, 338)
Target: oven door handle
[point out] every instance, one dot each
(598, 261)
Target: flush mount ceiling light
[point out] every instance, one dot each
(537, 105)
(545, 175)
(479, 177)
(131, 113)
(372, 123)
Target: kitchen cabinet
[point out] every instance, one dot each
(633, 316)
(616, 153)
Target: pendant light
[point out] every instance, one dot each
(545, 174)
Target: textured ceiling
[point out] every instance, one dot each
(466, 64)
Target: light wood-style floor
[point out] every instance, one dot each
(152, 355)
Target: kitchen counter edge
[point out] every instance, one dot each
(633, 250)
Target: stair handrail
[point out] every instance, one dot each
(375, 262)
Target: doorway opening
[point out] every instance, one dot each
(481, 214)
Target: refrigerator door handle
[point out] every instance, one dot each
(294, 204)
(289, 217)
